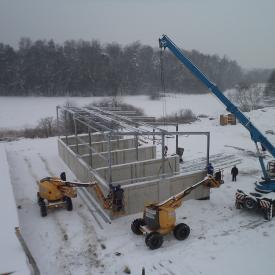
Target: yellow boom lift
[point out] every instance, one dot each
(56, 192)
(160, 218)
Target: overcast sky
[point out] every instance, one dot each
(240, 29)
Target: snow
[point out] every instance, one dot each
(21, 112)
(11, 254)
(222, 239)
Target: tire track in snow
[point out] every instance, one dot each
(46, 164)
(89, 254)
(62, 230)
(32, 173)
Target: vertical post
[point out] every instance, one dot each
(136, 141)
(75, 133)
(177, 138)
(90, 148)
(162, 149)
(154, 137)
(66, 127)
(57, 121)
(110, 157)
(208, 148)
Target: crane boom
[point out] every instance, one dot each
(256, 135)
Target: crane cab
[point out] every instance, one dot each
(271, 168)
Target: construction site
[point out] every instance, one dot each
(130, 154)
(118, 176)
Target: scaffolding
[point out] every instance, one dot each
(114, 123)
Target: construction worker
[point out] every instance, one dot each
(234, 173)
(210, 169)
(165, 150)
(118, 195)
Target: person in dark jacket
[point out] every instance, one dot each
(234, 173)
(210, 169)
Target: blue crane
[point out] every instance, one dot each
(267, 184)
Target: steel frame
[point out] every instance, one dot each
(99, 120)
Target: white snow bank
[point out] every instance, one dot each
(12, 255)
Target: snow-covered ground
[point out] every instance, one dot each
(222, 239)
(20, 112)
(11, 253)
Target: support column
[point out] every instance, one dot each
(75, 133)
(110, 157)
(177, 138)
(136, 141)
(90, 148)
(162, 149)
(208, 148)
(57, 121)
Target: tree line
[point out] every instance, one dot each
(88, 68)
(270, 87)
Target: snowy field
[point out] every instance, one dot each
(20, 112)
(222, 239)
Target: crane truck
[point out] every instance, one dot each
(267, 183)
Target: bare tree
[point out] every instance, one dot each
(248, 97)
(47, 126)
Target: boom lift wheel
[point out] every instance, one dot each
(135, 226)
(69, 204)
(181, 231)
(238, 205)
(249, 203)
(154, 240)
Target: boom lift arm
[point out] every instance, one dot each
(105, 201)
(160, 218)
(268, 184)
(176, 200)
(57, 192)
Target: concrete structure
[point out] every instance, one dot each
(120, 156)
(140, 169)
(143, 177)
(103, 146)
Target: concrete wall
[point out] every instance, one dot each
(102, 146)
(140, 169)
(137, 194)
(95, 137)
(121, 156)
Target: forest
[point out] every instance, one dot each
(89, 68)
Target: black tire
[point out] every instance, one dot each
(154, 240)
(43, 208)
(267, 215)
(249, 203)
(69, 204)
(181, 231)
(238, 205)
(135, 226)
